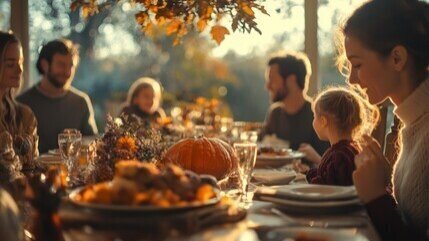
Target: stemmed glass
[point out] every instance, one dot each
(249, 136)
(69, 143)
(246, 153)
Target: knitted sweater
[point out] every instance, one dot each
(411, 172)
(336, 166)
(410, 176)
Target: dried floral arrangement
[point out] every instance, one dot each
(125, 138)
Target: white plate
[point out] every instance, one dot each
(273, 177)
(49, 159)
(306, 207)
(315, 233)
(136, 209)
(264, 160)
(311, 192)
(291, 155)
(54, 152)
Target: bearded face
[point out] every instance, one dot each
(280, 94)
(61, 70)
(275, 84)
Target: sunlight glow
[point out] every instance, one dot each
(271, 26)
(113, 42)
(290, 26)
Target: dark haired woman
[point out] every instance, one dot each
(387, 45)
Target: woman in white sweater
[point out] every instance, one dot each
(386, 43)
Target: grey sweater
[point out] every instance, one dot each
(72, 110)
(296, 128)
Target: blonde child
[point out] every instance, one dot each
(341, 116)
(144, 100)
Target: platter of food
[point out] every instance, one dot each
(142, 187)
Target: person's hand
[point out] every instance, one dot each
(373, 171)
(310, 153)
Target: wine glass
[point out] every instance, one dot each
(246, 153)
(249, 136)
(69, 144)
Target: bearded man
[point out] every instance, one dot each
(55, 103)
(290, 116)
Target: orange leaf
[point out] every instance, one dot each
(161, 21)
(218, 33)
(201, 100)
(85, 11)
(209, 11)
(148, 29)
(153, 8)
(141, 17)
(201, 25)
(245, 7)
(173, 26)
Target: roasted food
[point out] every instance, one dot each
(142, 173)
(137, 183)
(273, 151)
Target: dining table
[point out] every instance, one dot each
(261, 219)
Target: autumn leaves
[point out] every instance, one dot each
(177, 17)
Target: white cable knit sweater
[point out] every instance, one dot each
(411, 171)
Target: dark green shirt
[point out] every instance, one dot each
(296, 128)
(72, 110)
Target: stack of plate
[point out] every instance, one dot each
(273, 176)
(297, 233)
(311, 199)
(270, 160)
(53, 157)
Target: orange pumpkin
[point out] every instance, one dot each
(202, 155)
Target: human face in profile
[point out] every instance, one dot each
(371, 71)
(275, 84)
(12, 66)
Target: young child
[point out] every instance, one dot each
(144, 100)
(341, 117)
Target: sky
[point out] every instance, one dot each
(244, 43)
(278, 23)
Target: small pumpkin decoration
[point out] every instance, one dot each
(202, 155)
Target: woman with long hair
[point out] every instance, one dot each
(386, 43)
(18, 126)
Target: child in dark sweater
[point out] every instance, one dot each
(341, 117)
